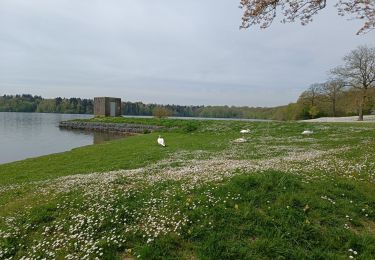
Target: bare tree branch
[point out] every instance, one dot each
(358, 72)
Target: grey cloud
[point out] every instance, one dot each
(164, 51)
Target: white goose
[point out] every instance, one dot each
(245, 131)
(307, 132)
(161, 141)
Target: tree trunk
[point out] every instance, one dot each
(334, 107)
(360, 116)
(362, 105)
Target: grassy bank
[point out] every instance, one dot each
(279, 195)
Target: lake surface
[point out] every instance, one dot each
(25, 135)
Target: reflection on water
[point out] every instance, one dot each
(101, 137)
(25, 135)
(97, 137)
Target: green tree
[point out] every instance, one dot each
(161, 112)
(331, 90)
(313, 111)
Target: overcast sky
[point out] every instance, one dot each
(187, 52)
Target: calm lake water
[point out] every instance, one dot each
(25, 135)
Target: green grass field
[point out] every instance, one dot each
(280, 195)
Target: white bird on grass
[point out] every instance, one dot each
(245, 131)
(240, 140)
(307, 132)
(161, 141)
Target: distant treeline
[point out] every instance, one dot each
(139, 108)
(30, 103)
(330, 99)
(317, 101)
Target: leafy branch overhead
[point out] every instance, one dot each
(263, 12)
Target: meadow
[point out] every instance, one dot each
(280, 195)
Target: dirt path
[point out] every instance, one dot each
(370, 118)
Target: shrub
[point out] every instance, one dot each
(161, 112)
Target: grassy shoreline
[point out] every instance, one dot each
(279, 195)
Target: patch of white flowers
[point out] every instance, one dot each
(96, 219)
